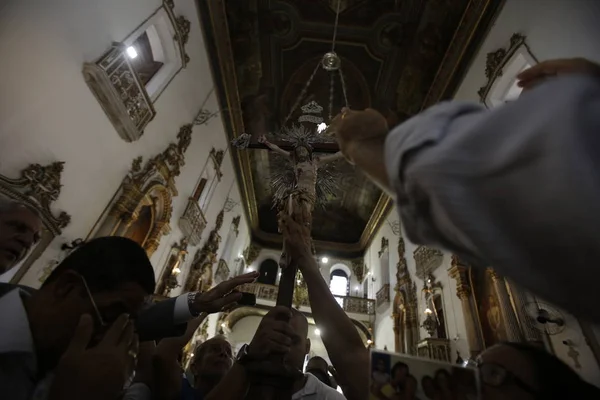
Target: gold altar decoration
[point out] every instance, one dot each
(251, 253)
(148, 190)
(38, 187)
(358, 269)
(168, 280)
(200, 277)
(404, 311)
(460, 272)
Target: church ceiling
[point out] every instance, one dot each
(398, 56)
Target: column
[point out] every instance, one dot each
(460, 273)
(520, 299)
(513, 332)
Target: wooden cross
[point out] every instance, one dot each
(330, 147)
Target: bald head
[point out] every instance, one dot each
(20, 229)
(212, 359)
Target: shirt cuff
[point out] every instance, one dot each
(182, 313)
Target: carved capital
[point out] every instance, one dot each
(460, 273)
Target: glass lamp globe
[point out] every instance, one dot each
(331, 61)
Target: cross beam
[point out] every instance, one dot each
(317, 147)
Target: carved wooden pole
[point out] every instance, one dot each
(460, 273)
(513, 333)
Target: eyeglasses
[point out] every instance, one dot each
(496, 375)
(96, 310)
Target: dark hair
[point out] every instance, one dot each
(107, 262)
(555, 379)
(319, 359)
(399, 365)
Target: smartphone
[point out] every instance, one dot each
(248, 299)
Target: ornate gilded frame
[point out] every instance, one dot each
(38, 187)
(152, 183)
(497, 60)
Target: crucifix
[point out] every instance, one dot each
(302, 179)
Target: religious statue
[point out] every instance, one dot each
(300, 179)
(298, 187)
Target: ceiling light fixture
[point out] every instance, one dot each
(132, 52)
(317, 332)
(324, 260)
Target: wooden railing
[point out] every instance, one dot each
(383, 295)
(350, 304)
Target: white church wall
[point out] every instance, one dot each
(48, 113)
(384, 327)
(554, 29)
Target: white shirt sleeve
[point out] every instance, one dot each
(181, 313)
(516, 188)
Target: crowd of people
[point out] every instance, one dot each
(515, 187)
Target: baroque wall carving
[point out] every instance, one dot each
(200, 277)
(150, 184)
(38, 187)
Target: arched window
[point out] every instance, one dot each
(339, 284)
(268, 270)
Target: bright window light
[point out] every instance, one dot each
(338, 285)
(132, 52)
(321, 127)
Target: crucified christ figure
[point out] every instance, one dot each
(301, 198)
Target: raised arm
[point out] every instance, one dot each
(346, 350)
(272, 146)
(465, 162)
(330, 157)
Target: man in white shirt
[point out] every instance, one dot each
(516, 187)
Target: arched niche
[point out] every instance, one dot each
(268, 270)
(151, 184)
(141, 215)
(37, 187)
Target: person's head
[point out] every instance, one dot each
(428, 386)
(442, 379)
(411, 386)
(302, 154)
(317, 363)
(524, 372)
(20, 229)
(319, 368)
(212, 360)
(300, 342)
(104, 278)
(399, 374)
(380, 365)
